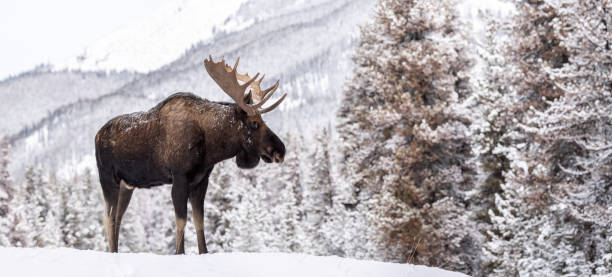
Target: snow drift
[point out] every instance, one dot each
(70, 262)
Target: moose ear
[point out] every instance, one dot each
(248, 98)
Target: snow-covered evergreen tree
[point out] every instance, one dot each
(492, 105)
(347, 229)
(70, 218)
(260, 210)
(95, 237)
(318, 195)
(156, 214)
(7, 192)
(249, 221)
(285, 222)
(133, 236)
(287, 213)
(407, 134)
(221, 199)
(13, 226)
(7, 196)
(80, 211)
(40, 206)
(552, 217)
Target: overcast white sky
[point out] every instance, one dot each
(39, 31)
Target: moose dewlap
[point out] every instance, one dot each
(179, 141)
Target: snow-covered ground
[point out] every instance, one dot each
(70, 262)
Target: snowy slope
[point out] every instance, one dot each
(165, 35)
(69, 262)
(31, 97)
(161, 37)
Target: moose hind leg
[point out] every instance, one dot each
(110, 189)
(196, 196)
(179, 200)
(125, 195)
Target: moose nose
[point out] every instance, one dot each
(278, 158)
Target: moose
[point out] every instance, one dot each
(178, 142)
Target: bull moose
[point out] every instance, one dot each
(178, 142)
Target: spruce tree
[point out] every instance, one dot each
(157, 216)
(7, 196)
(41, 209)
(94, 236)
(551, 216)
(220, 201)
(133, 233)
(250, 225)
(407, 137)
(317, 202)
(70, 219)
(492, 105)
(80, 210)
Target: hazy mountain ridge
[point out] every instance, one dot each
(32, 97)
(318, 41)
(160, 37)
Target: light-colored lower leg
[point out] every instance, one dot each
(198, 221)
(180, 235)
(201, 239)
(125, 194)
(109, 224)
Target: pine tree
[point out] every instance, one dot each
(407, 133)
(317, 202)
(156, 214)
(13, 226)
(7, 194)
(250, 224)
(284, 219)
(94, 235)
(552, 216)
(81, 220)
(133, 236)
(20, 229)
(347, 229)
(492, 104)
(497, 105)
(263, 211)
(220, 201)
(280, 186)
(70, 217)
(41, 209)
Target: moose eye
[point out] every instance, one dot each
(253, 125)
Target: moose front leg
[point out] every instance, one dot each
(196, 196)
(179, 200)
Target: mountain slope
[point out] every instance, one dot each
(159, 38)
(31, 97)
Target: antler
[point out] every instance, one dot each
(227, 78)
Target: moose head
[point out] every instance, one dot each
(258, 139)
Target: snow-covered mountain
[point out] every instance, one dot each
(71, 262)
(166, 34)
(161, 37)
(54, 113)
